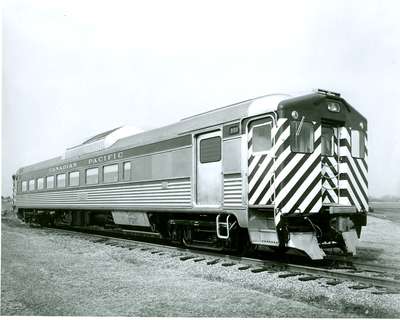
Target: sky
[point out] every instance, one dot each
(72, 69)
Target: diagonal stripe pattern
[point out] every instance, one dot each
(301, 182)
(330, 174)
(353, 178)
(291, 181)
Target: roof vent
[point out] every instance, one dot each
(100, 141)
(327, 93)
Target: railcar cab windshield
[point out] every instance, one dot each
(302, 136)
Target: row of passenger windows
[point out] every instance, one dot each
(110, 174)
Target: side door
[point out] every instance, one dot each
(209, 169)
(260, 162)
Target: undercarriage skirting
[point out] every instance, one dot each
(264, 237)
(350, 240)
(307, 242)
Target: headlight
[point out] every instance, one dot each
(333, 107)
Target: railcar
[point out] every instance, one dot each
(275, 172)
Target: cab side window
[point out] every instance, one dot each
(357, 144)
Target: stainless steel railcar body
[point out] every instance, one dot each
(291, 171)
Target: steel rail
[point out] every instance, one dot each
(355, 264)
(262, 265)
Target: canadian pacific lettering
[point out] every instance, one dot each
(105, 158)
(63, 167)
(99, 159)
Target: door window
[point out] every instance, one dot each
(327, 141)
(210, 150)
(262, 141)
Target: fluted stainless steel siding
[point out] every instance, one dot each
(146, 194)
(233, 190)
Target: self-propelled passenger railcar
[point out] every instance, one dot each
(272, 172)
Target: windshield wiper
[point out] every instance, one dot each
(300, 126)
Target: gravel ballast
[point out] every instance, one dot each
(45, 273)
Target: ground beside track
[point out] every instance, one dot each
(48, 274)
(380, 240)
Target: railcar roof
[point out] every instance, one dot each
(230, 113)
(207, 119)
(100, 136)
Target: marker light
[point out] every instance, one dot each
(333, 107)
(295, 114)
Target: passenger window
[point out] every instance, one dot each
(92, 176)
(50, 182)
(31, 185)
(40, 183)
(262, 141)
(61, 180)
(357, 144)
(210, 150)
(327, 141)
(302, 136)
(24, 186)
(74, 179)
(126, 175)
(110, 173)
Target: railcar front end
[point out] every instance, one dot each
(307, 180)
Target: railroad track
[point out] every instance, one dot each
(360, 276)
